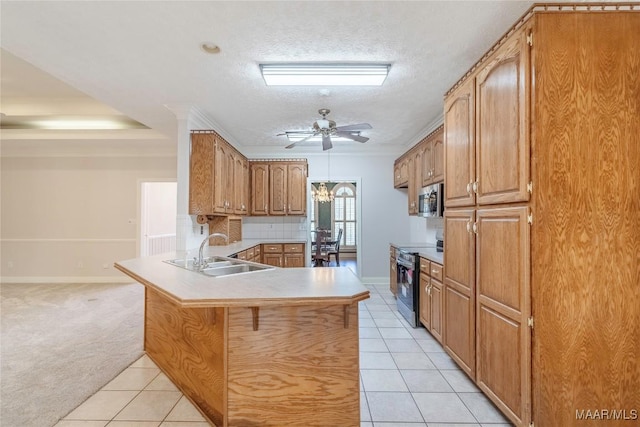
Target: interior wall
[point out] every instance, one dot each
(68, 219)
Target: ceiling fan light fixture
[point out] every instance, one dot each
(324, 74)
(298, 136)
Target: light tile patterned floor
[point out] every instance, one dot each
(406, 380)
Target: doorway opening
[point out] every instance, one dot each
(158, 212)
(341, 217)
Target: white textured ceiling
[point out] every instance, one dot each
(138, 57)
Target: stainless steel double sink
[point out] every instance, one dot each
(218, 266)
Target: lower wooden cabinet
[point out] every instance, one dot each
(431, 314)
(393, 274)
(288, 255)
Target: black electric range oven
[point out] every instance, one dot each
(408, 290)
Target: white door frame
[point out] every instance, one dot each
(141, 225)
(338, 179)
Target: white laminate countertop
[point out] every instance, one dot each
(423, 250)
(277, 286)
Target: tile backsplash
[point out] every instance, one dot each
(271, 227)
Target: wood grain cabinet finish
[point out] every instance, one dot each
(459, 288)
(216, 183)
(288, 255)
(300, 369)
(503, 338)
(555, 293)
(459, 147)
(393, 273)
(502, 121)
(432, 169)
(431, 313)
(259, 188)
(279, 188)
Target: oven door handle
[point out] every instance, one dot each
(405, 264)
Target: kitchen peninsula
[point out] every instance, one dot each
(270, 348)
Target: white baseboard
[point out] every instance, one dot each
(375, 280)
(72, 279)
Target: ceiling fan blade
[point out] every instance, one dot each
(359, 126)
(352, 136)
(302, 140)
(326, 142)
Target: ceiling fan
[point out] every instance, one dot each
(327, 128)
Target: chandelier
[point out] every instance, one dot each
(322, 195)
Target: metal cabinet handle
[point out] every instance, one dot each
(469, 226)
(434, 271)
(469, 188)
(475, 187)
(475, 228)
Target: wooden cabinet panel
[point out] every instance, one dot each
(459, 147)
(459, 288)
(293, 260)
(393, 276)
(425, 301)
(503, 340)
(404, 173)
(435, 271)
(427, 155)
(293, 248)
(259, 189)
(275, 260)
(396, 175)
(414, 166)
(272, 248)
(239, 185)
(221, 174)
(437, 320)
(297, 189)
(277, 189)
(201, 174)
(502, 145)
(437, 158)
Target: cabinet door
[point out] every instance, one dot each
(502, 111)
(245, 187)
(230, 188)
(272, 259)
(426, 163)
(436, 309)
(503, 339)
(277, 189)
(437, 158)
(259, 188)
(404, 172)
(201, 174)
(293, 260)
(393, 276)
(238, 184)
(415, 180)
(459, 288)
(459, 146)
(220, 177)
(396, 175)
(425, 301)
(297, 189)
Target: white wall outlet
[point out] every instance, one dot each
(80, 265)
(105, 266)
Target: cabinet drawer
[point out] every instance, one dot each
(425, 266)
(256, 251)
(436, 271)
(250, 253)
(242, 255)
(272, 249)
(293, 248)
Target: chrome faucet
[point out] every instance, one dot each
(199, 264)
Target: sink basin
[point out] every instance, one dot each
(217, 266)
(234, 269)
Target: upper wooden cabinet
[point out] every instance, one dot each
(487, 130)
(422, 165)
(259, 173)
(432, 168)
(278, 188)
(502, 124)
(215, 186)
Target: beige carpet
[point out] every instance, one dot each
(60, 343)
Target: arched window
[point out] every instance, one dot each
(344, 213)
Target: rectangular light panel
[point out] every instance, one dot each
(324, 75)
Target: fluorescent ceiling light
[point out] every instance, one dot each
(299, 136)
(324, 75)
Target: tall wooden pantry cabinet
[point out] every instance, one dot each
(542, 219)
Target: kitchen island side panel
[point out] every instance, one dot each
(188, 345)
(300, 368)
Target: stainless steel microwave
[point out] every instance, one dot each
(431, 201)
